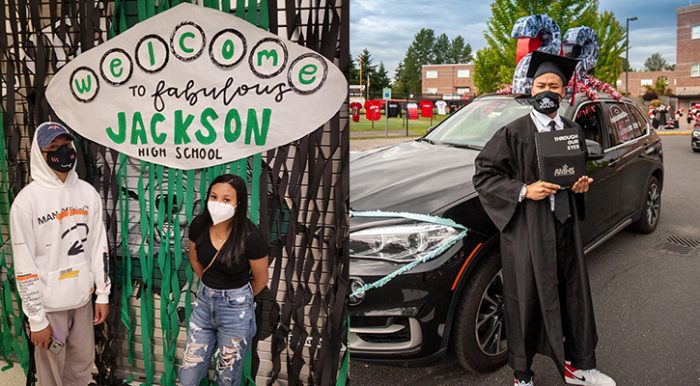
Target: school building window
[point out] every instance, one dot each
(463, 74)
(695, 69)
(695, 34)
(431, 74)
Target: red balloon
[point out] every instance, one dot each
(525, 46)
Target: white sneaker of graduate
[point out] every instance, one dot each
(590, 377)
(523, 383)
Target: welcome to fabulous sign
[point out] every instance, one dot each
(194, 87)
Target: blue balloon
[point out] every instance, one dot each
(532, 26)
(581, 43)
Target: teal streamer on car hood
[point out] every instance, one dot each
(429, 256)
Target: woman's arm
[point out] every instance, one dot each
(259, 268)
(196, 265)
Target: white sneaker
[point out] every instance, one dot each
(590, 377)
(522, 383)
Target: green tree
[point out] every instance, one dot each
(380, 80)
(493, 70)
(427, 49)
(441, 50)
(660, 87)
(655, 62)
(422, 46)
(419, 53)
(366, 64)
(411, 76)
(367, 68)
(399, 89)
(353, 72)
(499, 54)
(459, 52)
(611, 37)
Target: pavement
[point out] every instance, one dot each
(646, 302)
(13, 376)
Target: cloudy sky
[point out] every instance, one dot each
(387, 27)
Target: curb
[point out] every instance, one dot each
(674, 132)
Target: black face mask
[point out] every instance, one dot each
(61, 159)
(547, 102)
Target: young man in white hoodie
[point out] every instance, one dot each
(59, 247)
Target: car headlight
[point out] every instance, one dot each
(399, 243)
(696, 134)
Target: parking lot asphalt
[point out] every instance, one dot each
(647, 301)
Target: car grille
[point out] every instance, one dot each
(398, 337)
(384, 333)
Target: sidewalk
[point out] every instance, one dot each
(13, 376)
(674, 132)
(683, 129)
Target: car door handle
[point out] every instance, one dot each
(649, 149)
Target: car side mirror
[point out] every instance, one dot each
(595, 150)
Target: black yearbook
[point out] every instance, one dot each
(560, 157)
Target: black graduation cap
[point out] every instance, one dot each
(542, 63)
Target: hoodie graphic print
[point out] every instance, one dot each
(59, 243)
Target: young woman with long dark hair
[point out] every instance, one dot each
(229, 254)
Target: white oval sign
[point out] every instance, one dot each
(194, 87)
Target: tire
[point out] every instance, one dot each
(651, 208)
(696, 150)
(471, 344)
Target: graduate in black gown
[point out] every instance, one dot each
(548, 306)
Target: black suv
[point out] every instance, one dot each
(455, 299)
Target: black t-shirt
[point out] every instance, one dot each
(219, 275)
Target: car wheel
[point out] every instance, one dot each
(479, 331)
(651, 209)
(696, 150)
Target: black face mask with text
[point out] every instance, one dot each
(547, 102)
(61, 159)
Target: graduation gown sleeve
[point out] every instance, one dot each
(498, 190)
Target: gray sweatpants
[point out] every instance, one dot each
(73, 365)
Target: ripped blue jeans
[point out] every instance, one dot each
(222, 319)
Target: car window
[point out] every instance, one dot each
(640, 118)
(623, 126)
(475, 123)
(588, 117)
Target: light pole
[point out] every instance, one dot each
(627, 52)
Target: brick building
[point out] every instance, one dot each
(638, 80)
(448, 81)
(687, 88)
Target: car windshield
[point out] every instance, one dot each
(474, 124)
